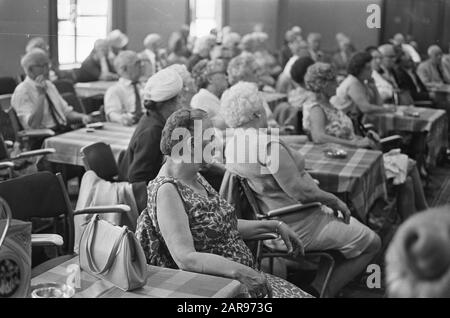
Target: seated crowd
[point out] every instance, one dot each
(220, 80)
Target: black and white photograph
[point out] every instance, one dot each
(224, 154)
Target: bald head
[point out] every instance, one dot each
(435, 54)
(388, 55)
(35, 63)
(152, 41)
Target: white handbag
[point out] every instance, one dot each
(113, 253)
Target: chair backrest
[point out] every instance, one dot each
(7, 85)
(99, 158)
(40, 195)
(246, 205)
(73, 100)
(5, 101)
(6, 126)
(64, 86)
(15, 122)
(4, 155)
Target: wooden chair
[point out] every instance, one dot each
(326, 258)
(44, 196)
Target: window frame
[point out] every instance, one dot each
(220, 6)
(54, 30)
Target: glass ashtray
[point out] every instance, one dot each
(335, 153)
(52, 290)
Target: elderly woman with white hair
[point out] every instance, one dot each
(37, 101)
(202, 50)
(187, 225)
(123, 100)
(142, 160)
(280, 180)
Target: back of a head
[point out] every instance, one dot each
(205, 68)
(418, 258)
(181, 119)
(386, 49)
(299, 69)
(318, 75)
(314, 36)
(357, 63)
(239, 104)
(151, 39)
(434, 50)
(124, 59)
(242, 68)
(163, 86)
(204, 44)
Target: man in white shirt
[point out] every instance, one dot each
(123, 101)
(211, 78)
(37, 101)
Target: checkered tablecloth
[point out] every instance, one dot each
(68, 145)
(434, 122)
(161, 283)
(361, 176)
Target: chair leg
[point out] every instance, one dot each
(326, 267)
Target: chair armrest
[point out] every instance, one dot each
(6, 165)
(262, 237)
(369, 127)
(9, 143)
(34, 153)
(391, 142)
(120, 208)
(96, 113)
(46, 240)
(296, 208)
(35, 133)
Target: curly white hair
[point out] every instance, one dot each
(240, 103)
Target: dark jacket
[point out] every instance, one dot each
(143, 158)
(90, 70)
(418, 92)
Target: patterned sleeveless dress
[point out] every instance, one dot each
(214, 229)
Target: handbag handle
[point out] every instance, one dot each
(92, 266)
(5, 207)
